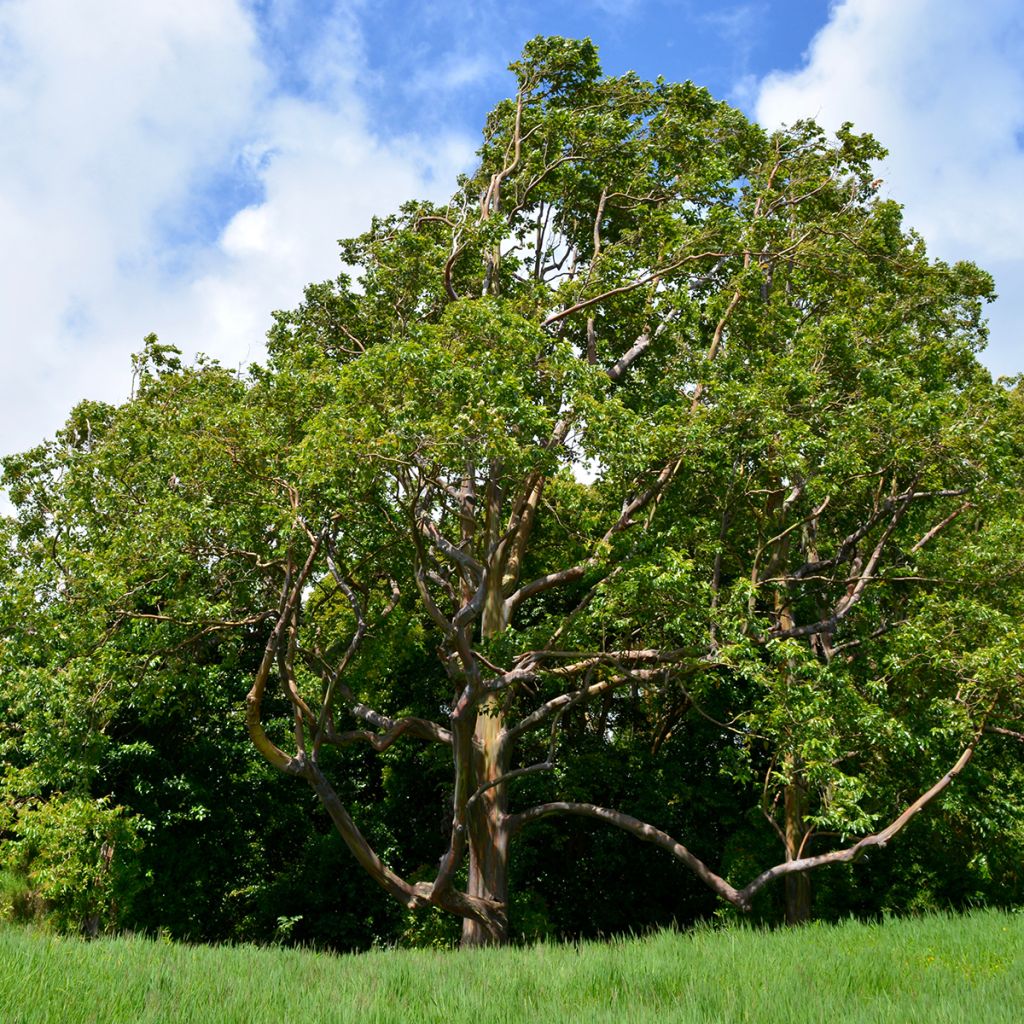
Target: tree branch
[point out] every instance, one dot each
(740, 898)
(421, 728)
(855, 852)
(646, 833)
(621, 289)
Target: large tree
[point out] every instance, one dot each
(662, 419)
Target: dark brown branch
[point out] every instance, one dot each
(716, 343)
(848, 545)
(625, 520)
(849, 600)
(561, 703)
(886, 627)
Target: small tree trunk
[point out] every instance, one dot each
(798, 886)
(488, 837)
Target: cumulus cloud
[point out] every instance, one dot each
(119, 118)
(111, 112)
(943, 87)
(323, 176)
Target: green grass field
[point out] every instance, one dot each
(934, 969)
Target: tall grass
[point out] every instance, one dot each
(934, 970)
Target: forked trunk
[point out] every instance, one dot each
(487, 831)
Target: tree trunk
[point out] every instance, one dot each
(487, 832)
(798, 885)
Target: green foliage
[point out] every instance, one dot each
(662, 417)
(73, 860)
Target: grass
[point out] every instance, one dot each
(933, 969)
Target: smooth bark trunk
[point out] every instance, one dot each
(798, 885)
(487, 831)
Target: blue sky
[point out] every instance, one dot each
(417, 68)
(187, 168)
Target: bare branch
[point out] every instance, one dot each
(855, 852)
(625, 520)
(740, 898)
(849, 600)
(621, 289)
(420, 728)
(939, 527)
(290, 596)
(848, 545)
(640, 829)
(409, 895)
(561, 703)
(541, 766)
(456, 554)
(998, 731)
(630, 356)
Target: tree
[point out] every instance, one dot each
(663, 421)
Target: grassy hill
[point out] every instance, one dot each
(933, 969)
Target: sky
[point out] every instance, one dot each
(188, 168)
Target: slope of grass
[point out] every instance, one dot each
(935, 970)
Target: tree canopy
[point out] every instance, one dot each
(657, 461)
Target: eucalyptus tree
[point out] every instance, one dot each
(659, 410)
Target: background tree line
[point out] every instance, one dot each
(648, 490)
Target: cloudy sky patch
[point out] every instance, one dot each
(945, 94)
(188, 169)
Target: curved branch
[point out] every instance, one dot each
(254, 699)
(852, 598)
(631, 286)
(625, 520)
(421, 728)
(448, 268)
(644, 832)
(411, 896)
(999, 731)
(855, 852)
(740, 898)
(540, 766)
(561, 703)
(438, 540)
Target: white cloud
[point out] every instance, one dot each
(944, 90)
(116, 116)
(458, 72)
(326, 176)
(110, 111)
